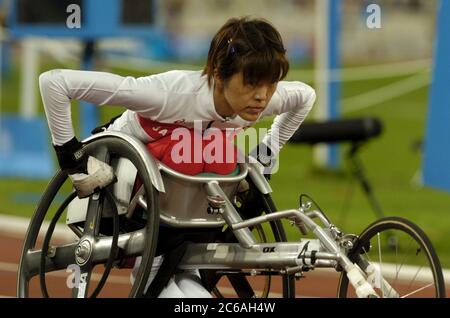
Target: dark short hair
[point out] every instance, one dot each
(252, 46)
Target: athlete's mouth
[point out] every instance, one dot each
(254, 110)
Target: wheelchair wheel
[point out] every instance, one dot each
(242, 284)
(99, 241)
(399, 260)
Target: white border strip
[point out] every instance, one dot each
(115, 279)
(385, 93)
(15, 226)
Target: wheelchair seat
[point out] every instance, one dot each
(185, 202)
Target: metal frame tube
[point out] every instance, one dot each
(231, 216)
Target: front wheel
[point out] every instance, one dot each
(398, 259)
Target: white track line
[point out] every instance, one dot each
(368, 72)
(379, 95)
(9, 267)
(409, 272)
(116, 279)
(16, 227)
(385, 93)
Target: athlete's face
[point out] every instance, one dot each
(245, 100)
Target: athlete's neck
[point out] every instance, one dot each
(220, 103)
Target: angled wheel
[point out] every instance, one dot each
(259, 284)
(399, 260)
(83, 265)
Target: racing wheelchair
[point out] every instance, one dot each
(230, 229)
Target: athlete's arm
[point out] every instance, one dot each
(292, 101)
(59, 87)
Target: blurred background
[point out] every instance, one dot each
(382, 69)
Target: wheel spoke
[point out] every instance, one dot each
(63, 257)
(398, 268)
(96, 200)
(93, 215)
(397, 271)
(415, 277)
(76, 230)
(380, 262)
(417, 290)
(135, 200)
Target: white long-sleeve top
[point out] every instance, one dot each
(174, 97)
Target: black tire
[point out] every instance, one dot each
(106, 148)
(384, 240)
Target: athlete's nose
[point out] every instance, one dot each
(261, 93)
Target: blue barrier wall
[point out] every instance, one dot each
(334, 85)
(25, 148)
(436, 165)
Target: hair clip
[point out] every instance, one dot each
(232, 49)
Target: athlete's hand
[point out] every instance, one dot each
(264, 155)
(87, 173)
(71, 156)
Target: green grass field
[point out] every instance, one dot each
(390, 163)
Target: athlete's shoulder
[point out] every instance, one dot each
(183, 81)
(293, 85)
(288, 89)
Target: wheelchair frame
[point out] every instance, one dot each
(330, 249)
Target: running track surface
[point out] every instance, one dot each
(317, 283)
